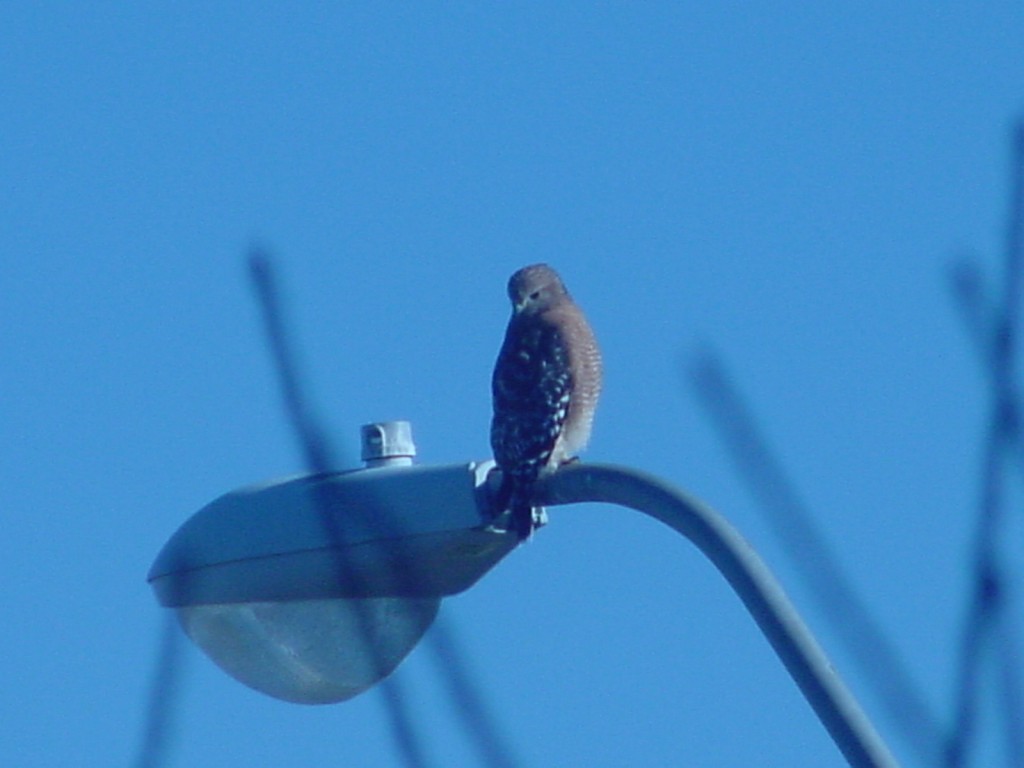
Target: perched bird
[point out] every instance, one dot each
(545, 387)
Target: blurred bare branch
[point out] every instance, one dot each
(468, 702)
(163, 696)
(987, 631)
(319, 459)
(311, 440)
(878, 661)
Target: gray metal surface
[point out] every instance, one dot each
(401, 531)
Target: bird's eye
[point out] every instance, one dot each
(535, 295)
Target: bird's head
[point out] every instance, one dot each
(534, 289)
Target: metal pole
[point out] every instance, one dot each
(752, 581)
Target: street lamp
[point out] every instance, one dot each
(315, 588)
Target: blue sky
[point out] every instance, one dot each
(786, 182)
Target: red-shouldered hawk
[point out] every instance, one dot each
(545, 386)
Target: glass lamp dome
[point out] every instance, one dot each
(313, 588)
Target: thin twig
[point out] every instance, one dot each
(878, 660)
(1010, 688)
(319, 460)
(469, 703)
(987, 613)
(472, 706)
(163, 697)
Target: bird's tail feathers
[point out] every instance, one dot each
(514, 495)
(521, 513)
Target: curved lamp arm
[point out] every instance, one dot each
(749, 577)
